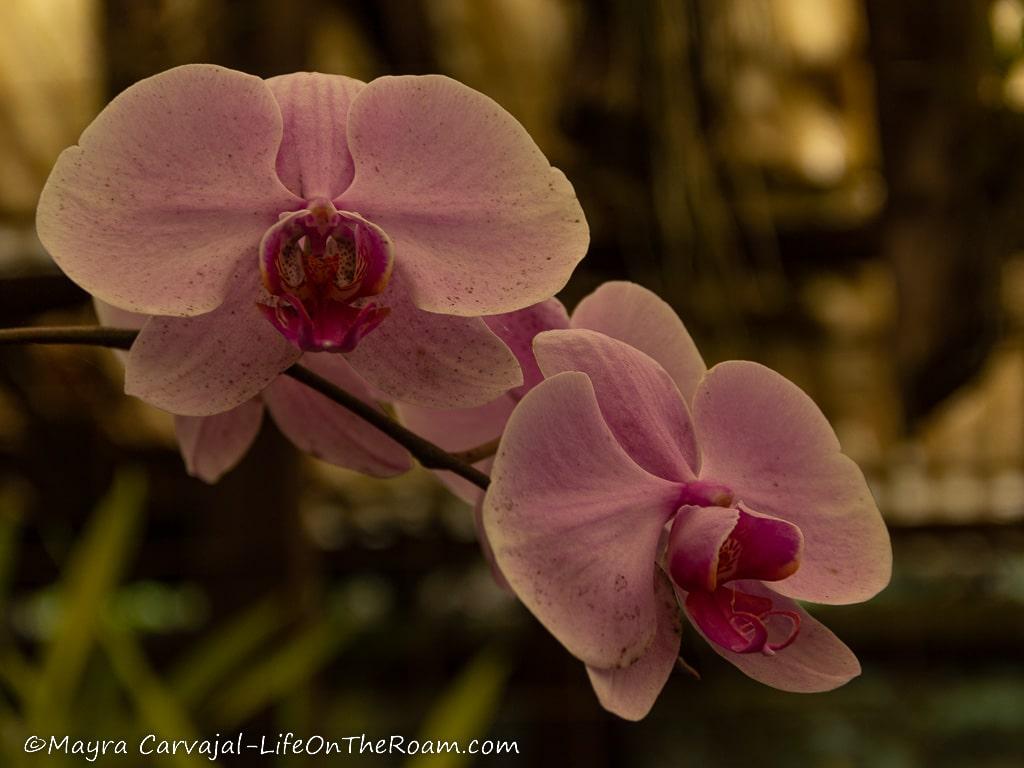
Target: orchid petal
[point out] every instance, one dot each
(314, 160)
(637, 397)
(438, 361)
(168, 190)
(815, 661)
(631, 692)
(198, 366)
(485, 543)
(322, 428)
(518, 329)
(766, 440)
(212, 445)
(480, 220)
(575, 524)
(631, 313)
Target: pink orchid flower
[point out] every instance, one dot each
(620, 309)
(212, 445)
(256, 220)
(623, 490)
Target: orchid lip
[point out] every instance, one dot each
(321, 268)
(739, 621)
(712, 550)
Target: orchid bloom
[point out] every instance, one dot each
(252, 221)
(624, 490)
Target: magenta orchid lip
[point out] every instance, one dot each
(322, 269)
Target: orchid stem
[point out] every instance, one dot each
(427, 453)
(479, 453)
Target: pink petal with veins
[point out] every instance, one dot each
(518, 329)
(575, 524)
(314, 160)
(481, 222)
(198, 366)
(639, 317)
(168, 191)
(437, 361)
(212, 445)
(638, 399)
(630, 692)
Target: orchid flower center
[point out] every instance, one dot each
(713, 549)
(321, 268)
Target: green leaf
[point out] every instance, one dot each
(465, 711)
(90, 576)
(159, 712)
(281, 672)
(207, 665)
(17, 673)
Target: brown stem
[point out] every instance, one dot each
(427, 453)
(479, 453)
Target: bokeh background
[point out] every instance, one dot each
(831, 187)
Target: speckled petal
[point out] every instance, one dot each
(212, 445)
(168, 190)
(199, 366)
(438, 361)
(631, 313)
(631, 692)
(314, 160)
(638, 399)
(518, 329)
(815, 661)
(761, 436)
(575, 524)
(480, 220)
(324, 429)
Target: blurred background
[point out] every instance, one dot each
(831, 187)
